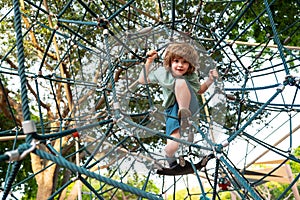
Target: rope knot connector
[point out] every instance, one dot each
(104, 23)
(28, 127)
(21, 152)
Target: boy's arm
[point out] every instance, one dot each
(151, 55)
(213, 74)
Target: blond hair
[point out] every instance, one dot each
(185, 51)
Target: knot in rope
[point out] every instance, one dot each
(104, 23)
(290, 80)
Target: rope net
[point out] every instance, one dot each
(69, 88)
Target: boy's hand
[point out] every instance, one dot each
(213, 74)
(151, 55)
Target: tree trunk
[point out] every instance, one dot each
(43, 178)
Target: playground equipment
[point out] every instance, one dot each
(74, 67)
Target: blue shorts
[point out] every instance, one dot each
(172, 121)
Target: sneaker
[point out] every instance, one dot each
(172, 162)
(173, 165)
(184, 114)
(181, 161)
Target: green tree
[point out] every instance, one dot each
(274, 189)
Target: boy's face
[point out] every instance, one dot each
(179, 66)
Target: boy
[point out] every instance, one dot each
(180, 84)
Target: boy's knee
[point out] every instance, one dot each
(180, 83)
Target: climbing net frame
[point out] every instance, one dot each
(115, 117)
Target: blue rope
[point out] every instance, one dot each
(61, 189)
(216, 179)
(241, 103)
(113, 16)
(47, 49)
(15, 168)
(120, 10)
(276, 38)
(240, 179)
(70, 131)
(4, 16)
(162, 135)
(88, 185)
(24, 97)
(198, 178)
(111, 72)
(39, 106)
(253, 88)
(234, 135)
(272, 148)
(233, 25)
(39, 8)
(65, 8)
(4, 157)
(289, 187)
(74, 168)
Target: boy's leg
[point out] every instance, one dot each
(183, 98)
(187, 103)
(182, 93)
(171, 148)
